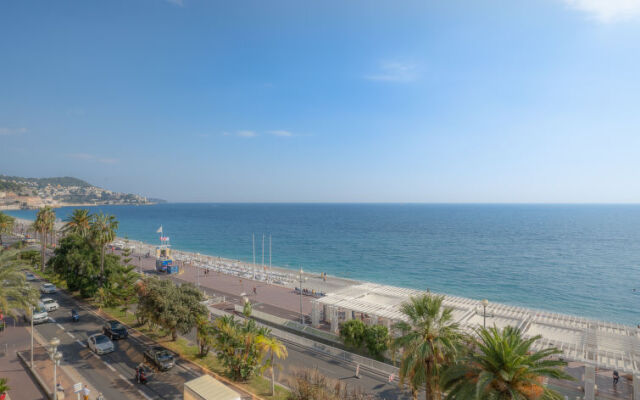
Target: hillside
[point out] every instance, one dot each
(22, 192)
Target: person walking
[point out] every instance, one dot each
(85, 393)
(616, 377)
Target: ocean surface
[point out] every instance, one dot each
(575, 259)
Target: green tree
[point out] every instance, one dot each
(237, 345)
(206, 334)
(103, 231)
(79, 223)
(174, 308)
(275, 349)
(376, 340)
(45, 218)
(7, 223)
(15, 293)
(352, 333)
(429, 341)
(504, 367)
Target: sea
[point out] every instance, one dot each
(574, 259)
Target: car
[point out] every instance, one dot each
(49, 304)
(48, 288)
(160, 357)
(30, 276)
(39, 314)
(115, 330)
(100, 344)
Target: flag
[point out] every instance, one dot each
(159, 229)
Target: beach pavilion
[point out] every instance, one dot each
(596, 344)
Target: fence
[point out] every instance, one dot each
(375, 366)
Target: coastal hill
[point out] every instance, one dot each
(19, 192)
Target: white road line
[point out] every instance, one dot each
(125, 379)
(60, 326)
(109, 366)
(71, 335)
(81, 343)
(144, 394)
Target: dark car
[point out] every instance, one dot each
(160, 357)
(115, 330)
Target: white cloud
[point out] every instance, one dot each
(91, 157)
(12, 131)
(179, 3)
(281, 133)
(246, 134)
(395, 71)
(607, 10)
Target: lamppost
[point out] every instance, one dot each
(485, 303)
(302, 279)
(33, 309)
(55, 356)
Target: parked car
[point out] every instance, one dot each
(160, 357)
(115, 330)
(39, 314)
(48, 288)
(30, 276)
(49, 304)
(100, 344)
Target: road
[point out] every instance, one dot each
(113, 373)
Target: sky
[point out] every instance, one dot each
(326, 101)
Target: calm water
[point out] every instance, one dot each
(576, 259)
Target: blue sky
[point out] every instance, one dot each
(345, 101)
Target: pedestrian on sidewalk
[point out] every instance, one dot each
(100, 397)
(85, 393)
(616, 377)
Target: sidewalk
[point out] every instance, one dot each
(43, 367)
(14, 339)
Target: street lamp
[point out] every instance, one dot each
(485, 303)
(55, 356)
(302, 279)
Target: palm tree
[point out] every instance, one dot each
(6, 225)
(15, 293)
(504, 367)
(206, 334)
(79, 222)
(103, 230)
(275, 348)
(40, 226)
(429, 341)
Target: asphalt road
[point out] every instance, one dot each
(113, 373)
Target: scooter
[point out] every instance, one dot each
(75, 317)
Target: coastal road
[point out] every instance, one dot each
(113, 373)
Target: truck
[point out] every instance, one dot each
(160, 357)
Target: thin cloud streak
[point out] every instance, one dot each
(607, 11)
(91, 157)
(12, 131)
(395, 71)
(281, 133)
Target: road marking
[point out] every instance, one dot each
(52, 320)
(81, 343)
(71, 335)
(125, 379)
(145, 395)
(60, 326)
(109, 366)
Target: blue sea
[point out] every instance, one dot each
(575, 259)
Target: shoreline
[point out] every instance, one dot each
(54, 206)
(315, 281)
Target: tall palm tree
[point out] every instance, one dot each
(50, 222)
(275, 349)
(79, 222)
(504, 367)
(40, 226)
(429, 341)
(14, 291)
(7, 223)
(103, 230)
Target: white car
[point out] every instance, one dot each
(50, 304)
(30, 276)
(100, 344)
(48, 288)
(39, 314)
